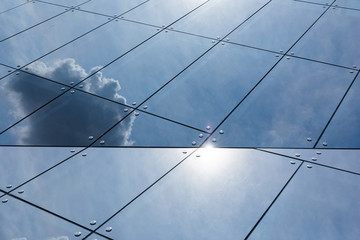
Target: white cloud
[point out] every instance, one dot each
(71, 118)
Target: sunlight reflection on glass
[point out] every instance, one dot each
(208, 161)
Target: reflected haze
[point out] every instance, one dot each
(215, 194)
(109, 179)
(292, 104)
(335, 45)
(32, 223)
(142, 119)
(321, 201)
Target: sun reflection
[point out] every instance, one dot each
(208, 161)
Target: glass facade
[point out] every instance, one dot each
(189, 119)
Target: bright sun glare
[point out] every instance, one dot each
(208, 161)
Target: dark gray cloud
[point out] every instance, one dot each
(72, 118)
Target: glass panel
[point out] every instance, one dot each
(147, 130)
(343, 159)
(218, 195)
(23, 48)
(67, 121)
(25, 16)
(162, 12)
(19, 164)
(217, 18)
(21, 93)
(327, 2)
(206, 92)
(7, 5)
(4, 71)
(293, 103)
(348, 3)
(95, 186)
(67, 2)
(331, 44)
(20, 221)
(278, 25)
(87, 54)
(344, 129)
(319, 203)
(96, 237)
(144, 70)
(111, 7)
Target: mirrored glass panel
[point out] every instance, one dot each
(21, 93)
(25, 16)
(162, 12)
(147, 68)
(90, 188)
(94, 50)
(214, 194)
(218, 17)
(278, 25)
(148, 130)
(348, 4)
(24, 48)
(111, 7)
(332, 39)
(319, 203)
(20, 221)
(207, 91)
(8, 5)
(326, 2)
(4, 70)
(97, 237)
(344, 129)
(73, 119)
(19, 164)
(293, 103)
(68, 3)
(342, 159)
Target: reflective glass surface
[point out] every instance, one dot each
(148, 130)
(19, 164)
(67, 2)
(319, 203)
(162, 12)
(81, 116)
(87, 54)
(343, 159)
(179, 119)
(326, 2)
(20, 221)
(8, 5)
(25, 16)
(111, 7)
(4, 70)
(95, 186)
(277, 26)
(144, 70)
(348, 3)
(197, 96)
(336, 45)
(293, 103)
(23, 48)
(218, 17)
(17, 98)
(344, 129)
(214, 194)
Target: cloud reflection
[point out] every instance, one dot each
(68, 119)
